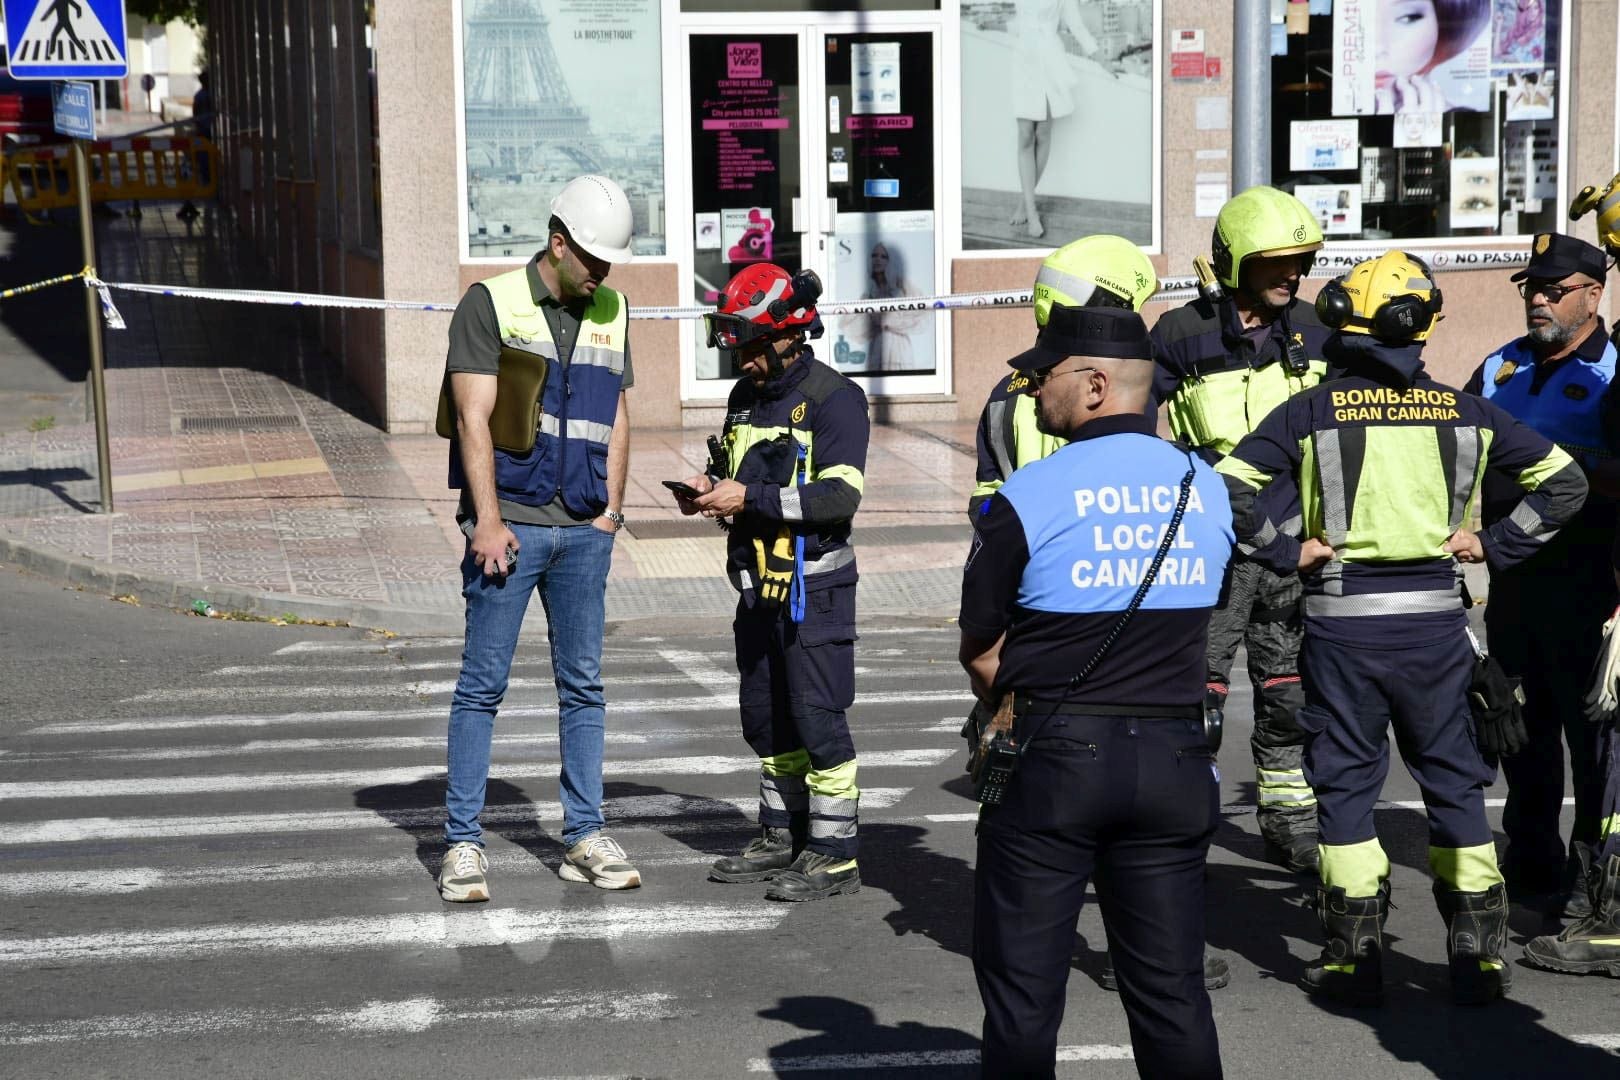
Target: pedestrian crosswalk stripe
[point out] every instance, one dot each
(476, 928)
(635, 808)
(197, 785)
(406, 1016)
(409, 689)
(917, 1059)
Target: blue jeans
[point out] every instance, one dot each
(569, 567)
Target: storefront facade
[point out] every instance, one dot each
(914, 148)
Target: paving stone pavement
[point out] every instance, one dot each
(248, 472)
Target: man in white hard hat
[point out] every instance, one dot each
(542, 518)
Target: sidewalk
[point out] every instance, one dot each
(247, 473)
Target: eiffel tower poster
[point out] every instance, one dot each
(553, 89)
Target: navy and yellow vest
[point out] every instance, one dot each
(578, 405)
(1567, 408)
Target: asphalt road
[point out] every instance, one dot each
(220, 843)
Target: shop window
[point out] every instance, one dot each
(550, 91)
(1395, 119)
(1046, 85)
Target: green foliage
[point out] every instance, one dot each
(191, 12)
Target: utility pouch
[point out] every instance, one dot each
(514, 423)
(1497, 702)
(992, 751)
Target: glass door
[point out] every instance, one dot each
(817, 146)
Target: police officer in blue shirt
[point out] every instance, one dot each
(1115, 776)
(1546, 614)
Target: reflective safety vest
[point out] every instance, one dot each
(578, 406)
(1567, 407)
(1217, 409)
(1008, 437)
(1094, 515)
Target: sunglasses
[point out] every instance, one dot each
(1554, 293)
(1040, 377)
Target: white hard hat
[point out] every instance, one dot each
(596, 212)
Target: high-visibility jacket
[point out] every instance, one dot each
(1218, 382)
(1388, 464)
(814, 407)
(1008, 438)
(578, 405)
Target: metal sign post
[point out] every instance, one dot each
(75, 39)
(92, 311)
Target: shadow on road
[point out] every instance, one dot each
(417, 809)
(849, 1042)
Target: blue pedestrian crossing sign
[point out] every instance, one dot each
(66, 39)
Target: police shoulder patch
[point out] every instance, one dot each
(799, 411)
(1575, 392)
(1505, 372)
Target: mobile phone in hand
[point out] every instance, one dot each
(685, 491)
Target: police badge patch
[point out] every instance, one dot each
(1505, 372)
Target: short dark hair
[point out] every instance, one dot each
(554, 226)
(1460, 23)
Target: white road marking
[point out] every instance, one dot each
(948, 818)
(360, 716)
(697, 667)
(1602, 1042)
(918, 1059)
(416, 930)
(700, 765)
(370, 1018)
(621, 810)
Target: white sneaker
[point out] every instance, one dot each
(462, 877)
(599, 860)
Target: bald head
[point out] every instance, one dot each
(1075, 391)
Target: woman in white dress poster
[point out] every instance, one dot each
(889, 334)
(1042, 85)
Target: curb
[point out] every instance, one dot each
(157, 591)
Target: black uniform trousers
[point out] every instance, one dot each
(1546, 628)
(1135, 801)
(1353, 696)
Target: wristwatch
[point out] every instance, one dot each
(614, 516)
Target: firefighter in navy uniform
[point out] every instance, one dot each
(1388, 465)
(1116, 777)
(1546, 614)
(795, 441)
(1226, 359)
(1094, 271)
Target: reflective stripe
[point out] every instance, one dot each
(1398, 603)
(849, 474)
(546, 349)
(836, 782)
(833, 560)
(1335, 507)
(832, 818)
(1525, 517)
(1462, 474)
(1078, 290)
(1000, 451)
(791, 510)
(1332, 575)
(597, 356)
(1610, 826)
(782, 792)
(778, 287)
(588, 430)
(1469, 869)
(1358, 869)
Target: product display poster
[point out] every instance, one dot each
(1337, 206)
(875, 77)
(1395, 56)
(1474, 183)
(881, 256)
(1073, 77)
(1419, 129)
(1518, 34)
(548, 87)
(706, 232)
(1531, 94)
(1322, 145)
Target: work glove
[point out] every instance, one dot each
(775, 566)
(1602, 701)
(1497, 702)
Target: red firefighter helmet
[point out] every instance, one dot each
(764, 300)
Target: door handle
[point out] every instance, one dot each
(797, 213)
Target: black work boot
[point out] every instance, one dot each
(1577, 873)
(1291, 839)
(1351, 967)
(1592, 945)
(814, 876)
(1216, 973)
(766, 856)
(1476, 935)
